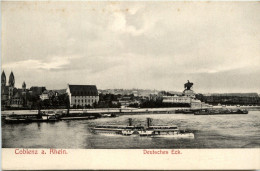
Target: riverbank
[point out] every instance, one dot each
(119, 111)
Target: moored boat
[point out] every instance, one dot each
(220, 111)
(31, 118)
(77, 117)
(202, 112)
(109, 115)
(184, 111)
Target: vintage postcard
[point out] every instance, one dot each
(130, 85)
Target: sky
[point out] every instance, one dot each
(145, 45)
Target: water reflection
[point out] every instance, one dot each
(39, 126)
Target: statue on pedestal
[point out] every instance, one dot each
(188, 92)
(188, 85)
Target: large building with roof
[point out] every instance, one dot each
(82, 95)
(10, 95)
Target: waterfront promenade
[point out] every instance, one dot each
(120, 111)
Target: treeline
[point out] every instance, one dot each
(229, 100)
(54, 102)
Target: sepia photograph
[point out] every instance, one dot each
(158, 77)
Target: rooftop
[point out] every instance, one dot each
(83, 90)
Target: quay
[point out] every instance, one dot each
(118, 111)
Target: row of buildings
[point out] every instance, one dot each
(88, 95)
(12, 97)
(17, 97)
(135, 92)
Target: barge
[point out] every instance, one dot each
(31, 118)
(220, 112)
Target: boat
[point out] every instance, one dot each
(109, 115)
(128, 132)
(184, 111)
(220, 111)
(145, 133)
(9, 119)
(31, 118)
(125, 130)
(239, 111)
(165, 131)
(116, 129)
(77, 117)
(156, 131)
(202, 112)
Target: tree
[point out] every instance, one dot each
(46, 103)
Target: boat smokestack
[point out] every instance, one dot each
(130, 120)
(149, 122)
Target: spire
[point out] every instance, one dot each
(24, 86)
(11, 79)
(3, 79)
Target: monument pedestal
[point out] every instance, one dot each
(189, 93)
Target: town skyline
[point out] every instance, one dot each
(147, 89)
(133, 45)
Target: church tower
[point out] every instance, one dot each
(11, 80)
(24, 86)
(24, 102)
(11, 85)
(3, 79)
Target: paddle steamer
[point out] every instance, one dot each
(155, 131)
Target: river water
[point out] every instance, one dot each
(219, 131)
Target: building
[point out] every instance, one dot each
(12, 96)
(177, 99)
(125, 101)
(59, 92)
(82, 95)
(4, 89)
(47, 94)
(7, 91)
(187, 97)
(36, 91)
(20, 97)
